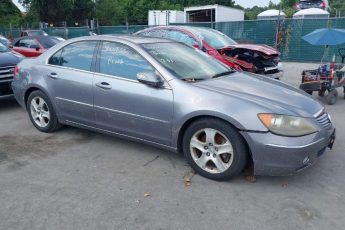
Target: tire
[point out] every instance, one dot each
(332, 97)
(322, 92)
(41, 112)
(205, 156)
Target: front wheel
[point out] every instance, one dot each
(215, 149)
(41, 112)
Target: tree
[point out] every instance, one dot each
(60, 10)
(9, 13)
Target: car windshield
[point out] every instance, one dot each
(3, 48)
(4, 41)
(185, 62)
(48, 42)
(214, 38)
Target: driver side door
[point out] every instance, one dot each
(125, 106)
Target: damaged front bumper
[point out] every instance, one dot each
(276, 72)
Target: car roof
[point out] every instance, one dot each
(30, 30)
(190, 29)
(35, 37)
(127, 38)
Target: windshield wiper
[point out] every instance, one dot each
(223, 73)
(192, 79)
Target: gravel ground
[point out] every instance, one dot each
(76, 179)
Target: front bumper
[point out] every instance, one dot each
(5, 88)
(278, 156)
(278, 69)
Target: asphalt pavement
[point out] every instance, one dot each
(76, 179)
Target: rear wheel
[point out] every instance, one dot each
(41, 112)
(332, 97)
(215, 149)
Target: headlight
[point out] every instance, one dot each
(287, 125)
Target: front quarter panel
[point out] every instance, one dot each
(191, 102)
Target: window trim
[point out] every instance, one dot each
(92, 66)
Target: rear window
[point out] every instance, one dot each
(37, 33)
(48, 42)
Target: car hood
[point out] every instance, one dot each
(271, 95)
(267, 50)
(10, 58)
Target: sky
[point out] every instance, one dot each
(18, 5)
(251, 3)
(244, 3)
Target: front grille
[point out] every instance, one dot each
(6, 72)
(324, 120)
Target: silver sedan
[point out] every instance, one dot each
(173, 96)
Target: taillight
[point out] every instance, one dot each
(323, 5)
(16, 70)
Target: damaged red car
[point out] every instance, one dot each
(259, 59)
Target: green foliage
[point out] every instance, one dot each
(116, 12)
(60, 10)
(337, 7)
(9, 14)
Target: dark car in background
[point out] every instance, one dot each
(259, 59)
(33, 46)
(307, 4)
(25, 33)
(8, 60)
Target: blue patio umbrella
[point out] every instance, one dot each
(326, 37)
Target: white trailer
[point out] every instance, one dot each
(165, 17)
(212, 13)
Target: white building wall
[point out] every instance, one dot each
(157, 17)
(227, 14)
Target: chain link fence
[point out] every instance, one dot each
(285, 34)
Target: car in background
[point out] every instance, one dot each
(170, 95)
(259, 59)
(25, 33)
(8, 60)
(307, 4)
(33, 46)
(4, 41)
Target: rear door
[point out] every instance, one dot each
(124, 105)
(70, 79)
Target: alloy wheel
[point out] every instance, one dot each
(40, 112)
(211, 150)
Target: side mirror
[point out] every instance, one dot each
(150, 79)
(36, 47)
(10, 46)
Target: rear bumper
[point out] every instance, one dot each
(18, 92)
(278, 156)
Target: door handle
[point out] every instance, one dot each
(53, 75)
(103, 85)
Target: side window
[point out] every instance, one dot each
(28, 43)
(122, 61)
(76, 55)
(181, 37)
(56, 58)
